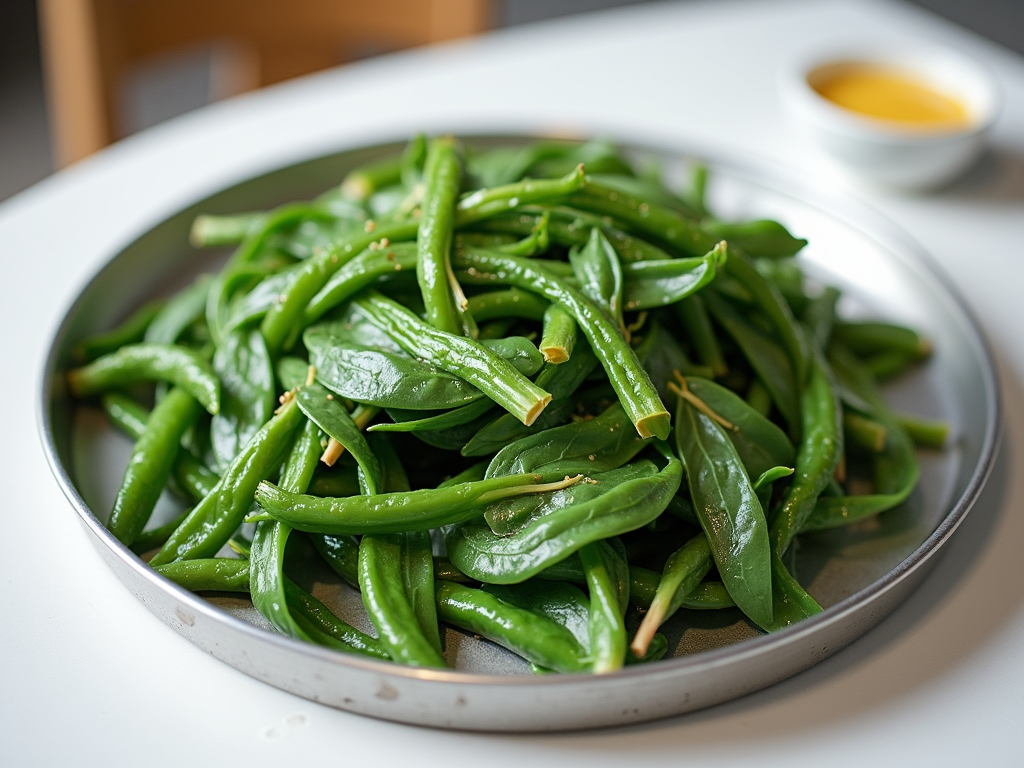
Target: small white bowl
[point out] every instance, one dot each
(889, 153)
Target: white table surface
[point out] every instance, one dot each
(90, 676)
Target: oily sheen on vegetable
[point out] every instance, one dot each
(531, 393)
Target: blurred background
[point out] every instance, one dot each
(77, 74)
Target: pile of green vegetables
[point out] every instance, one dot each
(522, 391)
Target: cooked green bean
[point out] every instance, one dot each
(631, 382)
(149, 362)
(150, 465)
(550, 507)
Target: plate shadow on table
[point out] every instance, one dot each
(975, 554)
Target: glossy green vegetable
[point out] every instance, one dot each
(441, 292)
(211, 522)
(418, 510)
(133, 363)
(475, 348)
(729, 511)
(150, 465)
(537, 638)
(626, 375)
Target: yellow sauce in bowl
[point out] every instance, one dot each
(889, 95)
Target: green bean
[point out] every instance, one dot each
(368, 267)
(209, 231)
(154, 538)
(558, 338)
(192, 479)
(645, 188)
(534, 637)
(324, 628)
(568, 227)
(266, 572)
(773, 367)
(284, 320)
(255, 241)
(467, 359)
(607, 624)
(130, 331)
(386, 579)
(820, 316)
(864, 431)
(512, 302)
(694, 316)
(149, 362)
(418, 510)
(926, 433)
(456, 417)
(215, 574)
(654, 222)
(179, 313)
(150, 465)
(631, 382)
(769, 300)
(683, 571)
(441, 291)
(871, 337)
(215, 518)
(896, 469)
(888, 365)
(818, 453)
(485, 203)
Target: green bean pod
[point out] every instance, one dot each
(558, 337)
(467, 359)
(534, 637)
(652, 221)
(191, 478)
(266, 557)
(418, 510)
(395, 571)
(627, 376)
(215, 518)
(149, 362)
(153, 457)
(438, 286)
(683, 572)
(210, 574)
(132, 330)
(607, 627)
(324, 628)
(818, 454)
